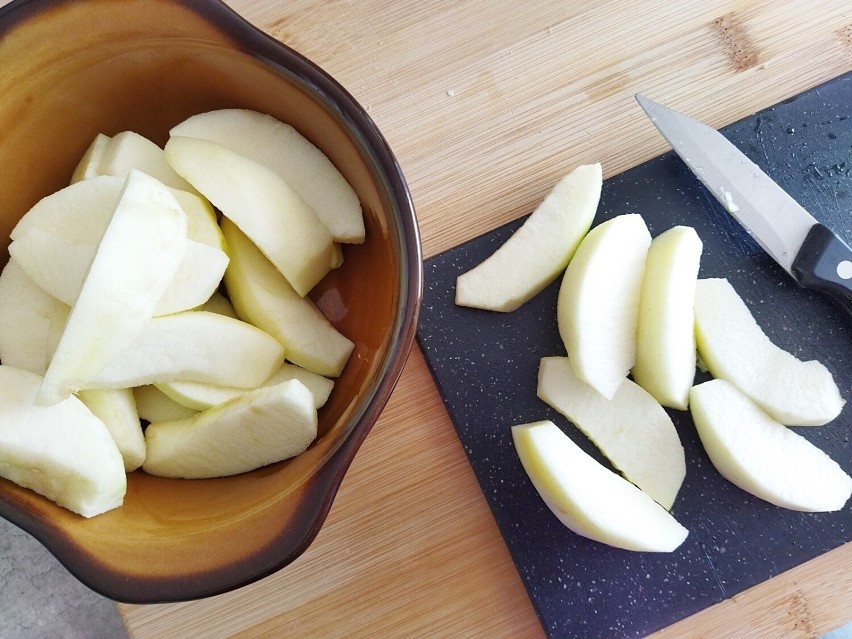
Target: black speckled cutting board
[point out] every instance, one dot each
(485, 367)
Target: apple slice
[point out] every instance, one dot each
(665, 345)
(128, 151)
(539, 250)
(136, 259)
(598, 306)
(89, 165)
(155, 406)
(27, 320)
(262, 204)
(281, 148)
(260, 427)
(62, 452)
(116, 408)
(198, 396)
(735, 348)
(632, 430)
(218, 303)
(590, 499)
(762, 456)
(194, 346)
(263, 297)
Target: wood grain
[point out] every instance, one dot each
(486, 104)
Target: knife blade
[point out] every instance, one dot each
(809, 251)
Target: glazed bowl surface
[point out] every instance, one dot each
(73, 69)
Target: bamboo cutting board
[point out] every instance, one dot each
(486, 104)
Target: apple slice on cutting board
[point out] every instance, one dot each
(762, 456)
(539, 250)
(61, 451)
(665, 344)
(279, 147)
(260, 427)
(598, 304)
(590, 499)
(632, 430)
(735, 348)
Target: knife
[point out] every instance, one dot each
(809, 251)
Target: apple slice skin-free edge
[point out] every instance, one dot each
(632, 429)
(539, 250)
(60, 451)
(762, 456)
(735, 348)
(598, 303)
(665, 344)
(261, 427)
(589, 498)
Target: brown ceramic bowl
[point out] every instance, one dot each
(73, 69)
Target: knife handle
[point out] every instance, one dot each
(824, 263)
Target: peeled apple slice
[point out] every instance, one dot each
(762, 456)
(155, 406)
(735, 348)
(598, 305)
(263, 297)
(632, 430)
(128, 151)
(665, 346)
(281, 148)
(116, 408)
(136, 260)
(88, 166)
(261, 427)
(539, 250)
(590, 499)
(62, 452)
(197, 346)
(261, 204)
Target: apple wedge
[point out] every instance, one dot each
(263, 297)
(62, 452)
(155, 406)
(193, 346)
(128, 151)
(734, 347)
(89, 165)
(116, 408)
(260, 427)
(762, 456)
(27, 320)
(539, 250)
(665, 344)
(284, 150)
(590, 499)
(598, 304)
(632, 430)
(198, 396)
(137, 258)
(261, 204)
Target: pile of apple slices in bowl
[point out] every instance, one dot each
(112, 310)
(630, 305)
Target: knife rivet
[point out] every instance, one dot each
(844, 270)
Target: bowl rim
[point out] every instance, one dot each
(324, 483)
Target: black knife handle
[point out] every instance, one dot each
(824, 263)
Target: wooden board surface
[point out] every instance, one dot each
(485, 104)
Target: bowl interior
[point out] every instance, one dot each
(72, 70)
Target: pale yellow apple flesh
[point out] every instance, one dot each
(263, 297)
(539, 250)
(665, 345)
(193, 346)
(598, 304)
(735, 348)
(128, 151)
(632, 430)
(261, 204)
(155, 406)
(116, 408)
(590, 499)
(281, 148)
(136, 260)
(260, 427)
(762, 456)
(62, 451)
(89, 165)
